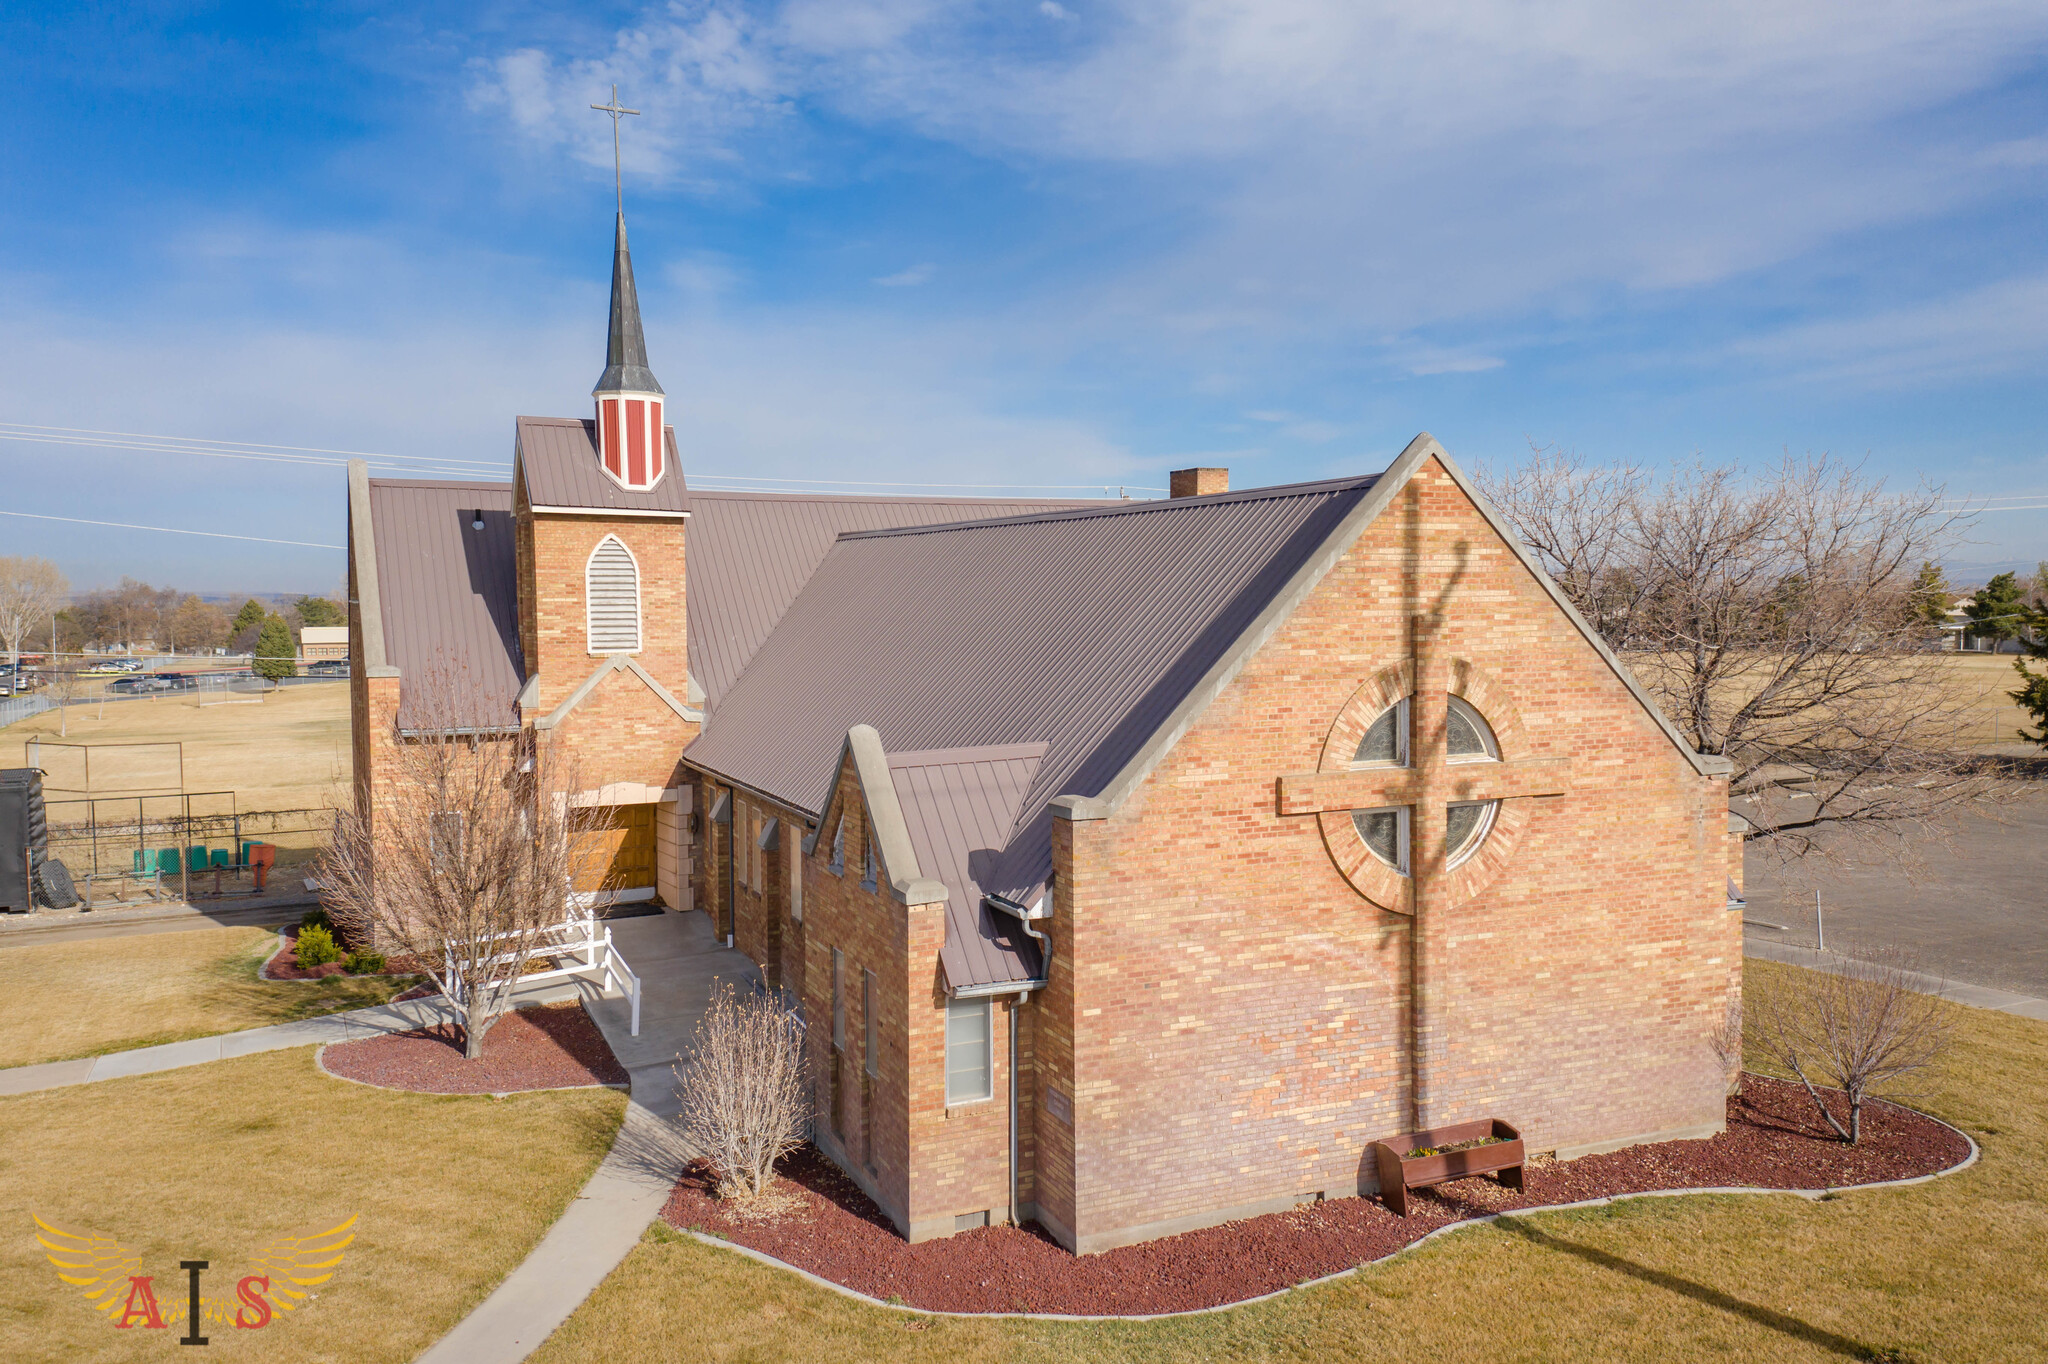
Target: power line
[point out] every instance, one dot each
(169, 530)
(238, 444)
(857, 483)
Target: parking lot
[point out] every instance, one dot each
(1972, 907)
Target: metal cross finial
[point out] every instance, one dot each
(615, 109)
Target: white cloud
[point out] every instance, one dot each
(916, 274)
(1991, 332)
(1358, 166)
(1052, 9)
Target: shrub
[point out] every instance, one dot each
(316, 947)
(363, 962)
(316, 918)
(743, 1090)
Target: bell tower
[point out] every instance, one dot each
(630, 446)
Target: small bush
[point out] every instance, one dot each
(363, 962)
(316, 918)
(316, 947)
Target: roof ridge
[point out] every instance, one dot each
(1060, 503)
(497, 485)
(954, 757)
(1272, 492)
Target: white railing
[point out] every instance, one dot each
(593, 957)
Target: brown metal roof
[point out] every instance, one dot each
(449, 594)
(1081, 630)
(960, 805)
(749, 554)
(559, 458)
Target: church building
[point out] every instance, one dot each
(1136, 863)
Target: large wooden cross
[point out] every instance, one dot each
(1427, 786)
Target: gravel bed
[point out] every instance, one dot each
(546, 1047)
(284, 965)
(1774, 1140)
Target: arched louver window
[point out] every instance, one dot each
(611, 593)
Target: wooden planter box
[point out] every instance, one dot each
(1399, 1172)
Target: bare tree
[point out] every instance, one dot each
(467, 858)
(1774, 621)
(744, 1088)
(1856, 1025)
(31, 590)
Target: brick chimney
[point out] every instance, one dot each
(1198, 482)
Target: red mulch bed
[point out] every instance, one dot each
(284, 963)
(1774, 1140)
(549, 1047)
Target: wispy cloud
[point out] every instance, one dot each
(903, 279)
(1975, 335)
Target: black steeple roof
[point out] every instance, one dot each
(625, 355)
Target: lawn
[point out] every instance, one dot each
(290, 751)
(213, 1162)
(1955, 1270)
(69, 999)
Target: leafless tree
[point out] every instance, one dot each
(1725, 1041)
(1772, 618)
(467, 856)
(1857, 1025)
(31, 590)
(744, 1088)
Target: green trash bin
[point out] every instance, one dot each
(196, 857)
(223, 857)
(247, 844)
(167, 861)
(145, 862)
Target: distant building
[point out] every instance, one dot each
(317, 642)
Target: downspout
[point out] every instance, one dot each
(1024, 918)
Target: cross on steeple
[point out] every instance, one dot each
(616, 110)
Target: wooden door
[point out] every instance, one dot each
(618, 855)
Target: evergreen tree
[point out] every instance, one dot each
(1998, 611)
(1930, 594)
(276, 654)
(320, 611)
(252, 613)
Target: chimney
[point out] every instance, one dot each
(1198, 482)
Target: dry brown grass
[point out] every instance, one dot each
(291, 752)
(212, 1162)
(69, 999)
(1955, 1270)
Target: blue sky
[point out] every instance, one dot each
(1033, 242)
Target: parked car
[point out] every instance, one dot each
(328, 667)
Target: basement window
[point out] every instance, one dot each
(970, 1062)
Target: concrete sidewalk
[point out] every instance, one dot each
(1977, 996)
(678, 960)
(341, 1027)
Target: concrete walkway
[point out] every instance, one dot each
(341, 1027)
(678, 960)
(1977, 996)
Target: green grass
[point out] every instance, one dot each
(62, 1001)
(1955, 1270)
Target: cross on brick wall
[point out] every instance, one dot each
(1427, 785)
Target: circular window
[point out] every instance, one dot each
(1465, 828)
(1468, 736)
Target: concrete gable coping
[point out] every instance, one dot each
(613, 664)
(369, 597)
(1284, 603)
(886, 824)
(529, 694)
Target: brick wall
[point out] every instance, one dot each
(1231, 1014)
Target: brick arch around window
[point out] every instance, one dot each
(611, 598)
(1369, 876)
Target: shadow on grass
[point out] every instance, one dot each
(1766, 1317)
(238, 984)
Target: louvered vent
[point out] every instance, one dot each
(611, 584)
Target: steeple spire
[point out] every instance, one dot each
(625, 355)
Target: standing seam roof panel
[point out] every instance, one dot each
(449, 597)
(1081, 630)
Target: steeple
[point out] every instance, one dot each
(625, 356)
(631, 443)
